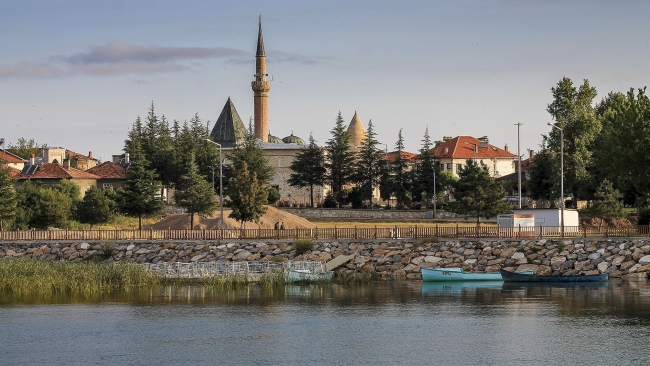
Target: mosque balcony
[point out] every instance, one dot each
(261, 85)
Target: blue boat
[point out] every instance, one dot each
(457, 274)
(525, 277)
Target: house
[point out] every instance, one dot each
(11, 160)
(110, 175)
(80, 161)
(52, 174)
(453, 154)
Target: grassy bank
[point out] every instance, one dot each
(23, 276)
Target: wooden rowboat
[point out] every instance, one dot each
(457, 274)
(525, 277)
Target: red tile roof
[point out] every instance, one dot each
(462, 147)
(76, 155)
(108, 170)
(55, 171)
(392, 156)
(10, 158)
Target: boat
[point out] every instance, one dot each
(297, 275)
(457, 274)
(526, 277)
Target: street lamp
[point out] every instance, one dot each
(561, 175)
(289, 199)
(220, 180)
(519, 124)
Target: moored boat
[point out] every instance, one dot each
(457, 274)
(296, 275)
(526, 277)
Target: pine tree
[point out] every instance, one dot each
(340, 159)
(401, 175)
(477, 193)
(138, 196)
(8, 199)
(607, 202)
(248, 195)
(308, 169)
(95, 208)
(195, 194)
(427, 178)
(248, 152)
(367, 169)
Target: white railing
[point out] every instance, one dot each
(224, 268)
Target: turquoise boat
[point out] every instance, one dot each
(297, 275)
(457, 274)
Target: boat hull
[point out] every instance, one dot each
(457, 274)
(522, 277)
(298, 275)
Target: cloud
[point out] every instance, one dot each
(117, 52)
(126, 68)
(30, 70)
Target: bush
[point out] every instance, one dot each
(330, 201)
(303, 246)
(644, 217)
(274, 195)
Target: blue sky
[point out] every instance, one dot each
(76, 74)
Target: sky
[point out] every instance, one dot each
(77, 74)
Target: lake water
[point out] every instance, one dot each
(382, 323)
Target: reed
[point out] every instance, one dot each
(25, 276)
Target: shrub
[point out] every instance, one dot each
(274, 195)
(644, 217)
(302, 246)
(107, 249)
(330, 201)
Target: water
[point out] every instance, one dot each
(383, 323)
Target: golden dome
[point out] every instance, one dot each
(356, 131)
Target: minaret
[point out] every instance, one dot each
(261, 89)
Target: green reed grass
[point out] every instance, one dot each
(25, 276)
(355, 278)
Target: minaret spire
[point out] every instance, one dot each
(261, 88)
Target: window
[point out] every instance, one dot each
(280, 162)
(107, 185)
(449, 166)
(458, 167)
(442, 166)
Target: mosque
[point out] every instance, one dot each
(229, 130)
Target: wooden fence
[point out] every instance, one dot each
(395, 232)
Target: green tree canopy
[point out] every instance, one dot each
(308, 169)
(195, 194)
(248, 195)
(339, 160)
(367, 168)
(607, 202)
(249, 152)
(25, 148)
(95, 208)
(401, 175)
(41, 206)
(477, 193)
(8, 199)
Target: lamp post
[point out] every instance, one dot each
(435, 196)
(519, 124)
(220, 181)
(289, 199)
(561, 175)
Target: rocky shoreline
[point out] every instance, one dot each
(629, 258)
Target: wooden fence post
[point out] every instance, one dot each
(336, 233)
(457, 233)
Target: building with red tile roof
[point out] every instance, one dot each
(111, 175)
(11, 160)
(392, 156)
(453, 154)
(83, 162)
(53, 173)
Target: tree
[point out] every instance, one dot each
(25, 149)
(574, 113)
(541, 180)
(607, 202)
(367, 168)
(8, 199)
(137, 198)
(477, 193)
(95, 208)
(401, 180)
(308, 169)
(248, 195)
(195, 194)
(624, 143)
(424, 181)
(339, 158)
(248, 152)
(41, 207)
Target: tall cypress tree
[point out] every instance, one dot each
(401, 176)
(367, 169)
(308, 169)
(340, 159)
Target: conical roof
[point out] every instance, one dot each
(229, 128)
(260, 42)
(356, 130)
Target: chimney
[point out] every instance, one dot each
(90, 154)
(66, 163)
(506, 148)
(126, 158)
(532, 154)
(32, 160)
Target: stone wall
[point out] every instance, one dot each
(334, 213)
(388, 258)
